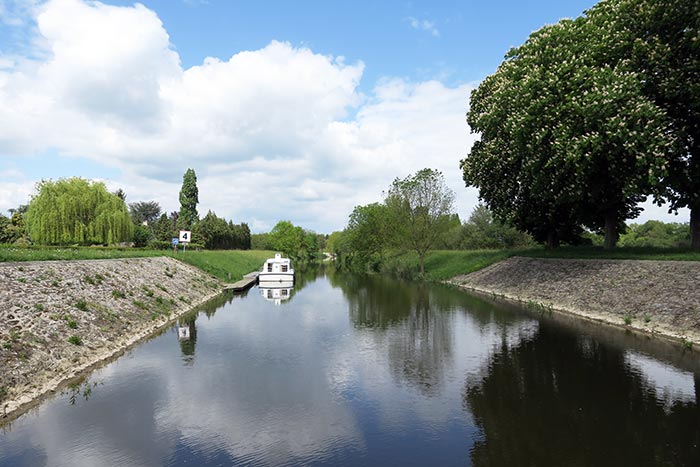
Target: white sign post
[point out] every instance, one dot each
(184, 238)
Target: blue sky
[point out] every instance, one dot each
(286, 110)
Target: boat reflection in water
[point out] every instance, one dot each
(276, 291)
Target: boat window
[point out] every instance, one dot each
(269, 267)
(284, 292)
(269, 293)
(284, 268)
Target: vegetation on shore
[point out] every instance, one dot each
(445, 264)
(227, 265)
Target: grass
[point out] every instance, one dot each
(75, 340)
(596, 252)
(227, 265)
(446, 264)
(118, 294)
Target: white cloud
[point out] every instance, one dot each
(423, 25)
(276, 133)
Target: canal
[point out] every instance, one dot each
(344, 369)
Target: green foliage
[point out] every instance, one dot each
(443, 265)
(142, 235)
(75, 340)
(261, 241)
(72, 324)
(217, 234)
(81, 305)
(165, 229)
(369, 233)
(419, 208)
(118, 294)
(568, 137)
(77, 211)
(144, 211)
(294, 241)
(483, 231)
(656, 234)
(661, 43)
(189, 198)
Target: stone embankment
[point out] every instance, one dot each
(660, 297)
(60, 318)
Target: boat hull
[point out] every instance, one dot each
(276, 277)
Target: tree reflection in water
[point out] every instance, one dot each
(406, 317)
(553, 401)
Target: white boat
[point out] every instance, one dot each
(277, 269)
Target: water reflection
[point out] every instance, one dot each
(276, 292)
(370, 371)
(547, 402)
(669, 384)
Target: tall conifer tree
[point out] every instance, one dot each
(189, 198)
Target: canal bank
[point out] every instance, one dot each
(62, 318)
(655, 297)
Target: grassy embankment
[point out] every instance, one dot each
(443, 265)
(227, 265)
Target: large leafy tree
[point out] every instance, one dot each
(76, 210)
(189, 198)
(369, 232)
(567, 136)
(287, 238)
(661, 42)
(419, 208)
(145, 211)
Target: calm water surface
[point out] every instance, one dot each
(350, 370)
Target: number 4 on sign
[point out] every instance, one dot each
(185, 236)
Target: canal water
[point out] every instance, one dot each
(344, 369)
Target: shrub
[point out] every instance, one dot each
(75, 340)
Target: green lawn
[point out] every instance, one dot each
(443, 265)
(227, 265)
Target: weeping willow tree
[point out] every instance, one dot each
(77, 211)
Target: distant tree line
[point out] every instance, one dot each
(293, 240)
(416, 215)
(590, 117)
(75, 211)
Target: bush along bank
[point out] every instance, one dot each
(62, 317)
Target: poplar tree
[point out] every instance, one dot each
(77, 211)
(189, 198)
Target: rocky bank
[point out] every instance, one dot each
(59, 318)
(660, 297)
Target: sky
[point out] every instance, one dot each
(285, 110)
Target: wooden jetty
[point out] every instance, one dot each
(243, 284)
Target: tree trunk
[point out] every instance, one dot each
(552, 240)
(422, 263)
(695, 228)
(610, 230)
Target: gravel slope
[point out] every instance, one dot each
(654, 296)
(102, 306)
